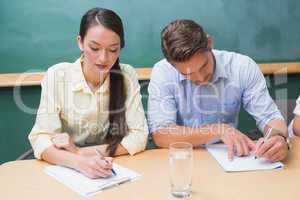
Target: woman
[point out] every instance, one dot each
(92, 106)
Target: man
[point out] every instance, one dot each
(195, 96)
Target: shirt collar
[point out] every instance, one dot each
(181, 77)
(78, 80)
(219, 68)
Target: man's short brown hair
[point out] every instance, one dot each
(181, 39)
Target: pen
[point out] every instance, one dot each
(102, 156)
(268, 135)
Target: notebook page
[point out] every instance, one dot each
(86, 186)
(247, 163)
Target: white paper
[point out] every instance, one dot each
(86, 186)
(246, 163)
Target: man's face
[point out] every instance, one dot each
(198, 69)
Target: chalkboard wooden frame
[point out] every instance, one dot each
(31, 79)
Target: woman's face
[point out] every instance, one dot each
(101, 48)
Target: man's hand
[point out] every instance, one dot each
(276, 149)
(238, 143)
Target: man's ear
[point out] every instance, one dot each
(80, 43)
(210, 42)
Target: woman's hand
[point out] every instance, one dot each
(64, 141)
(95, 166)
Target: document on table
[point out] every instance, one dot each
(238, 164)
(86, 186)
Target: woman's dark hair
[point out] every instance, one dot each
(181, 39)
(117, 124)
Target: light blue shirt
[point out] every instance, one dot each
(237, 81)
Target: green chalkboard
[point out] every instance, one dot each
(36, 34)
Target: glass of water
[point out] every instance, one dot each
(181, 167)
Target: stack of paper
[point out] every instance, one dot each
(248, 163)
(86, 186)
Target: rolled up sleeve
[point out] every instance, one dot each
(297, 107)
(162, 108)
(47, 119)
(297, 113)
(256, 98)
(136, 139)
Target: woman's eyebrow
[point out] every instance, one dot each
(95, 42)
(114, 44)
